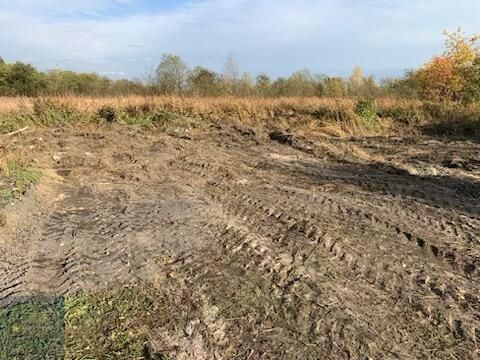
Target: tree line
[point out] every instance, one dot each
(173, 77)
(452, 76)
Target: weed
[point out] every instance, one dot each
(20, 172)
(6, 195)
(141, 120)
(18, 178)
(336, 112)
(354, 118)
(107, 113)
(367, 112)
(110, 322)
(164, 117)
(48, 112)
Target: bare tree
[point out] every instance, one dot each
(231, 74)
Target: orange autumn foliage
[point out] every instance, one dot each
(440, 80)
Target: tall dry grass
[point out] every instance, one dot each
(334, 116)
(194, 104)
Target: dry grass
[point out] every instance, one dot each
(242, 106)
(328, 115)
(331, 116)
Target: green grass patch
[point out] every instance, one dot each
(111, 324)
(6, 195)
(20, 172)
(44, 112)
(107, 325)
(47, 112)
(138, 120)
(16, 179)
(33, 330)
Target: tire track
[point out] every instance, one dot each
(391, 277)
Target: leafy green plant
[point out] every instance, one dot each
(367, 111)
(6, 195)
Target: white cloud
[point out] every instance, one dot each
(270, 35)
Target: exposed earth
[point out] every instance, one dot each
(260, 244)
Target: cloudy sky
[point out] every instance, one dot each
(127, 37)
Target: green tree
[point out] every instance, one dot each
(4, 88)
(171, 75)
(203, 82)
(471, 91)
(407, 87)
(334, 87)
(25, 80)
(244, 85)
(302, 83)
(263, 84)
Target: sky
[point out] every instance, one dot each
(126, 38)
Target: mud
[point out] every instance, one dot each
(290, 247)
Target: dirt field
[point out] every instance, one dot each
(255, 244)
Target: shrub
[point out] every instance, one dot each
(107, 113)
(471, 91)
(367, 111)
(46, 112)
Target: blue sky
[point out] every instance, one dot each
(125, 38)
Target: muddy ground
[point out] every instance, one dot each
(266, 245)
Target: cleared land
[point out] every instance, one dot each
(228, 241)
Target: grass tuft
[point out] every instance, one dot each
(20, 172)
(16, 178)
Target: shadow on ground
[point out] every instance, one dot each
(446, 192)
(454, 130)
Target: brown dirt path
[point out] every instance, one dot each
(315, 248)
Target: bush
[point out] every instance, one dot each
(107, 113)
(46, 112)
(367, 111)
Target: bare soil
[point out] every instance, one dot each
(273, 246)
